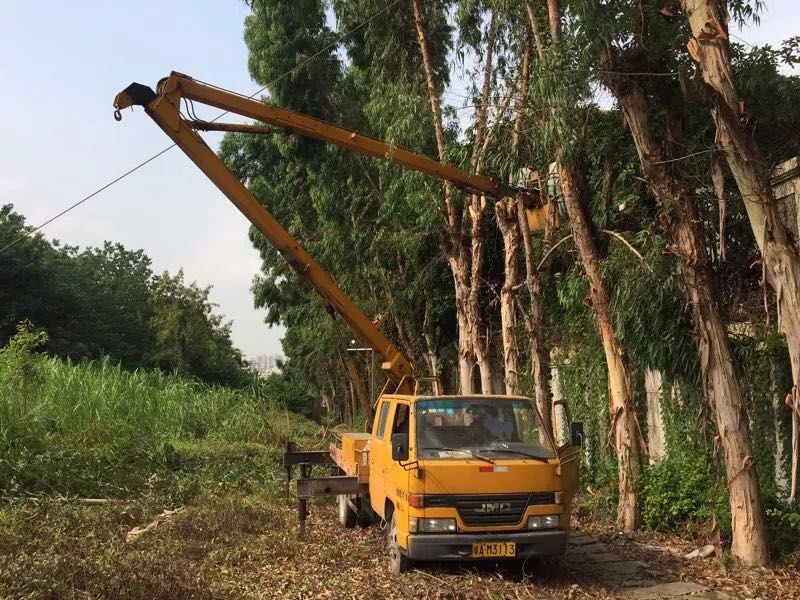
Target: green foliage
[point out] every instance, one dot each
(94, 429)
(784, 524)
(189, 338)
(680, 491)
(105, 303)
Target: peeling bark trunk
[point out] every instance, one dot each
(534, 322)
(708, 20)
(534, 319)
(457, 257)
(478, 340)
(720, 383)
(654, 389)
(506, 210)
(624, 426)
(477, 213)
(458, 267)
(507, 222)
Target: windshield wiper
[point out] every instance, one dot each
(519, 452)
(470, 452)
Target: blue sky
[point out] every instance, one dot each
(63, 62)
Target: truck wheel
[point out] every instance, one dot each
(365, 515)
(399, 562)
(347, 516)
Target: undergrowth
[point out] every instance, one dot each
(96, 430)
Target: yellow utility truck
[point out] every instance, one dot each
(453, 477)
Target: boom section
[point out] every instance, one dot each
(164, 109)
(300, 124)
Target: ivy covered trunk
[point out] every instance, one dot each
(621, 408)
(708, 20)
(506, 210)
(720, 382)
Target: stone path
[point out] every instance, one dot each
(634, 579)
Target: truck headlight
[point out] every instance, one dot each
(419, 525)
(543, 522)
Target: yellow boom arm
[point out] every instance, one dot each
(179, 86)
(164, 108)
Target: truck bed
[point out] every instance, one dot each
(352, 455)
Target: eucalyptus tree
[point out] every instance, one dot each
(715, 86)
(633, 41)
(563, 83)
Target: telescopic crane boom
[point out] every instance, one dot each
(163, 107)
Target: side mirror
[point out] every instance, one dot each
(576, 434)
(399, 447)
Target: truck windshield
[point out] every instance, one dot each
(468, 427)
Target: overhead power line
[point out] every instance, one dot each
(104, 187)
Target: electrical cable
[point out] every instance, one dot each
(29, 233)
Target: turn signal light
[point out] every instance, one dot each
(416, 500)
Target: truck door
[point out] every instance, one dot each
(396, 473)
(380, 454)
(569, 456)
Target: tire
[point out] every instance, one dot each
(399, 562)
(347, 516)
(365, 515)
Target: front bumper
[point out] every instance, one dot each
(458, 546)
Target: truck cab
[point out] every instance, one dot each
(469, 477)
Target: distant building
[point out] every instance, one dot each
(266, 364)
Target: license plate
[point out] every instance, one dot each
(494, 549)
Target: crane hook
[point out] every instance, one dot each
(117, 115)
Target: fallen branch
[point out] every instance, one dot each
(137, 532)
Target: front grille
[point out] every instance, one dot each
(494, 509)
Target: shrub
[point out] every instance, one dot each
(680, 491)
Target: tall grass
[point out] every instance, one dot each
(92, 429)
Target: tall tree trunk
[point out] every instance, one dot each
(459, 268)
(506, 210)
(720, 383)
(654, 389)
(508, 224)
(479, 339)
(457, 257)
(431, 343)
(477, 212)
(624, 425)
(708, 20)
(534, 321)
(622, 412)
(533, 23)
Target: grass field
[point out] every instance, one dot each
(141, 442)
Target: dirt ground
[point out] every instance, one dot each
(235, 546)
